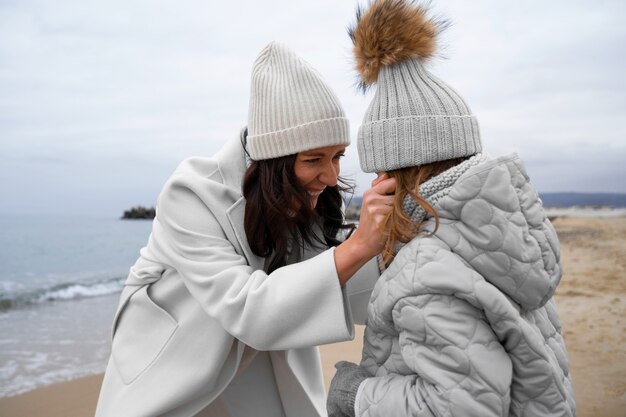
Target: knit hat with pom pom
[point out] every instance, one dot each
(292, 109)
(414, 117)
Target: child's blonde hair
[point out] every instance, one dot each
(398, 226)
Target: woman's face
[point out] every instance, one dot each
(318, 168)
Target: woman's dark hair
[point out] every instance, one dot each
(278, 209)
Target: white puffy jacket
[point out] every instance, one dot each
(463, 322)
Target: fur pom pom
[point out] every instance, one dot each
(390, 31)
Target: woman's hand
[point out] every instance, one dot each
(369, 238)
(377, 202)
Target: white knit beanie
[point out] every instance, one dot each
(291, 108)
(414, 118)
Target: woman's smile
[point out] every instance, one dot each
(318, 168)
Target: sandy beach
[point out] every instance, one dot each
(591, 301)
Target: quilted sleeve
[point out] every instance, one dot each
(451, 364)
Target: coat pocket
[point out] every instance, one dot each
(142, 331)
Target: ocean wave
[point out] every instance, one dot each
(62, 292)
(13, 382)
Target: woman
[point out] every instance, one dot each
(462, 322)
(241, 279)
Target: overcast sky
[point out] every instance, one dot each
(100, 100)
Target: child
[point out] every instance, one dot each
(462, 322)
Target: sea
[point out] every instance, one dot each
(60, 279)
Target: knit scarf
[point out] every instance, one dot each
(438, 187)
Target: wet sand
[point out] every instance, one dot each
(591, 301)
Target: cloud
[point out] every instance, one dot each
(132, 87)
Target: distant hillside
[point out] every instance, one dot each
(583, 199)
(550, 200)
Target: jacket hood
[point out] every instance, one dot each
(492, 218)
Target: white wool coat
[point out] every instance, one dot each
(197, 301)
(463, 322)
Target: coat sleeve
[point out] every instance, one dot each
(295, 306)
(452, 364)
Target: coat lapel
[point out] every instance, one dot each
(232, 165)
(235, 215)
(300, 381)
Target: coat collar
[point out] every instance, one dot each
(232, 164)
